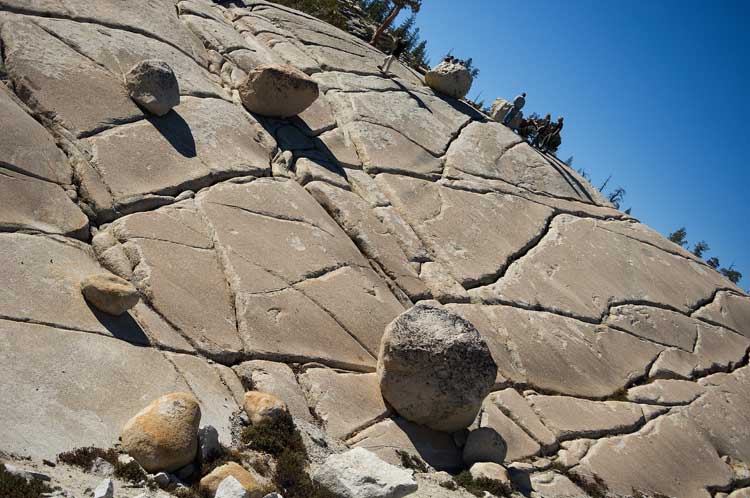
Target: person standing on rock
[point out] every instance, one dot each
(518, 104)
(398, 49)
(554, 131)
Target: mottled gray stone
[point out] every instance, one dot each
(666, 392)
(573, 418)
(518, 443)
(729, 309)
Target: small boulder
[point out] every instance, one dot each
(263, 407)
(484, 445)
(231, 488)
(449, 78)
(105, 489)
(153, 85)
(434, 368)
(109, 293)
(164, 435)
(359, 473)
(209, 485)
(277, 91)
(489, 470)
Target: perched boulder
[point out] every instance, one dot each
(449, 78)
(211, 483)
(153, 86)
(231, 488)
(358, 473)
(109, 293)
(499, 109)
(263, 407)
(484, 445)
(434, 368)
(164, 435)
(278, 91)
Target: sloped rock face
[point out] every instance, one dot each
(619, 354)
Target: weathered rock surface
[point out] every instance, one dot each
(392, 195)
(164, 435)
(449, 78)
(434, 368)
(359, 473)
(263, 407)
(278, 91)
(153, 85)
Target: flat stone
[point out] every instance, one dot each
(277, 379)
(339, 144)
(669, 446)
(385, 438)
(656, 325)
(405, 235)
(553, 485)
(358, 300)
(317, 118)
(364, 186)
(52, 77)
(200, 142)
(728, 309)
(573, 418)
(559, 354)
(576, 250)
(464, 229)
(59, 405)
(214, 32)
(37, 205)
(344, 402)
(442, 286)
(217, 403)
(519, 444)
(27, 148)
(354, 215)
(514, 406)
(665, 392)
(359, 473)
(309, 170)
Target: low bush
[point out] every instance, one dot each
(13, 486)
(477, 487)
(84, 458)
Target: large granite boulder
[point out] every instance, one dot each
(450, 78)
(278, 91)
(164, 435)
(434, 368)
(153, 85)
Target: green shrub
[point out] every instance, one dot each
(594, 486)
(410, 461)
(12, 486)
(325, 10)
(292, 479)
(477, 487)
(84, 458)
(274, 437)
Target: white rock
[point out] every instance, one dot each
(359, 473)
(105, 489)
(231, 488)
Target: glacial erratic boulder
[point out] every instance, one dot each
(434, 368)
(153, 86)
(450, 78)
(109, 293)
(164, 435)
(358, 473)
(278, 91)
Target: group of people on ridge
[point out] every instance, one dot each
(543, 133)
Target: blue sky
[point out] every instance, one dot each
(653, 93)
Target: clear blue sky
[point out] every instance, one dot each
(654, 93)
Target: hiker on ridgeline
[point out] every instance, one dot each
(554, 131)
(398, 49)
(518, 104)
(543, 127)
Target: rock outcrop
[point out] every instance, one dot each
(434, 368)
(271, 253)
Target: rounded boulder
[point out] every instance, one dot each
(153, 86)
(109, 293)
(434, 368)
(450, 78)
(164, 435)
(211, 482)
(277, 91)
(484, 445)
(263, 407)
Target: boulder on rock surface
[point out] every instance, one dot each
(264, 407)
(109, 293)
(164, 435)
(358, 473)
(434, 368)
(499, 109)
(278, 91)
(153, 85)
(449, 78)
(211, 483)
(485, 445)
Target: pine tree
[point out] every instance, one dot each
(700, 248)
(419, 54)
(679, 237)
(398, 5)
(377, 10)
